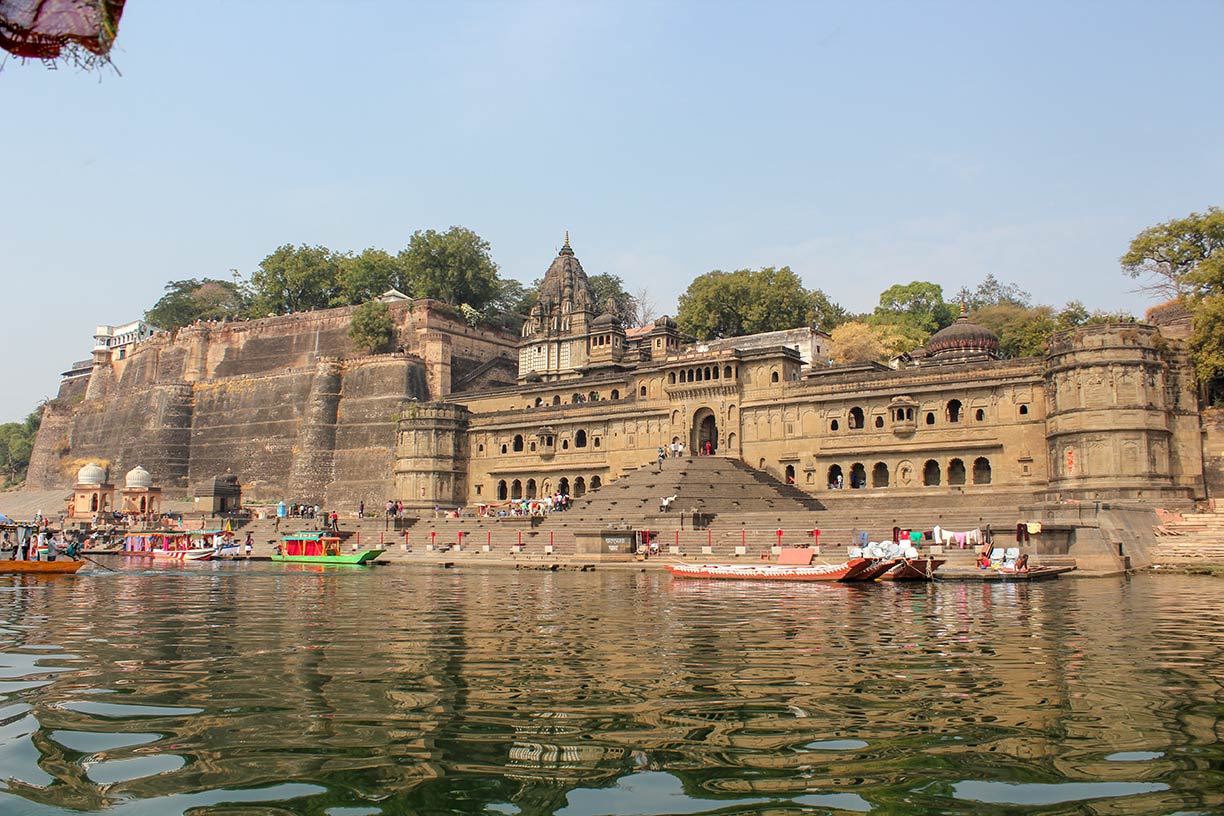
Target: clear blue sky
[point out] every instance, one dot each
(861, 144)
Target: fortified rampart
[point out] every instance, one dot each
(287, 404)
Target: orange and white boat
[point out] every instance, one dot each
(913, 569)
(794, 564)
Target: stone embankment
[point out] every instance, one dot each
(1192, 540)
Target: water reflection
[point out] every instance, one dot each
(249, 688)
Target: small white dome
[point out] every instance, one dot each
(138, 477)
(91, 474)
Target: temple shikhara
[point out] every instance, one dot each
(459, 417)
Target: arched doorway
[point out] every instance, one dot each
(563, 486)
(835, 477)
(858, 475)
(705, 429)
(879, 475)
(790, 474)
(579, 487)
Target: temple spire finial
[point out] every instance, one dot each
(964, 310)
(567, 238)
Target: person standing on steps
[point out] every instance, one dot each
(662, 456)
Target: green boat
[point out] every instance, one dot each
(320, 548)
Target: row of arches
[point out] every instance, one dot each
(516, 489)
(576, 398)
(956, 474)
(954, 412)
(702, 374)
(521, 443)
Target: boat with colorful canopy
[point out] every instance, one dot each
(320, 547)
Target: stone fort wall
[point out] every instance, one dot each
(285, 403)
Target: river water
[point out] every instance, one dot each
(281, 689)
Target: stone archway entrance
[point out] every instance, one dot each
(705, 429)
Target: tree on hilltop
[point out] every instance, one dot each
(295, 279)
(366, 276)
(187, 301)
(371, 328)
(1184, 256)
(453, 266)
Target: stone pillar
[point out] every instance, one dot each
(313, 457)
(431, 456)
(436, 351)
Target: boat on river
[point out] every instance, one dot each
(913, 569)
(180, 545)
(320, 548)
(64, 566)
(847, 571)
(794, 564)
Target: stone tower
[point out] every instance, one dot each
(1114, 415)
(432, 456)
(555, 337)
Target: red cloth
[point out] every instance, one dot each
(42, 29)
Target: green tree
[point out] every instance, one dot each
(371, 328)
(992, 292)
(187, 301)
(608, 287)
(295, 279)
(919, 304)
(1184, 256)
(823, 313)
(453, 266)
(366, 276)
(731, 304)
(16, 446)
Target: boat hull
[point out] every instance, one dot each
(354, 559)
(913, 569)
(848, 571)
(57, 567)
(194, 554)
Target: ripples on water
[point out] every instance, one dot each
(271, 689)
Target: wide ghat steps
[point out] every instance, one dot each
(1192, 539)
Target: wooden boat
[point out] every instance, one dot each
(180, 545)
(878, 568)
(320, 548)
(793, 564)
(913, 569)
(60, 566)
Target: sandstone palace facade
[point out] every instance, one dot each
(459, 416)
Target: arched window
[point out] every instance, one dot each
(773, 377)
(726, 372)
(532, 447)
(879, 475)
(595, 442)
(956, 472)
(930, 473)
(564, 444)
(790, 474)
(531, 489)
(539, 401)
(858, 475)
(93, 503)
(593, 396)
(580, 439)
(981, 470)
(714, 370)
(1023, 410)
(501, 490)
(556, 399)
(980, 415)
(642, 391)
(930, 418)
(879, 422)
(856, 418)
(833, 425)
(706, 373)
(480, 448)
(615, 394)
(575, 399)
(596, 483)
(516, 489)
(954, 410)
(671, 378)
(563, 487)
(579, 487)
(503, 448)
(835, 477)
(518, 442)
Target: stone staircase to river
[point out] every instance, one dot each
(1190, 540)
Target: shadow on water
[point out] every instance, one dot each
(251, 688)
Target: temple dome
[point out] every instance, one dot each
(962, 339)
(665, 322)
(91, 474)
(607, 320)
(138, 477)
(564, 281)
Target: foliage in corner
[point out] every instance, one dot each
(16, 446)
(372, 329)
